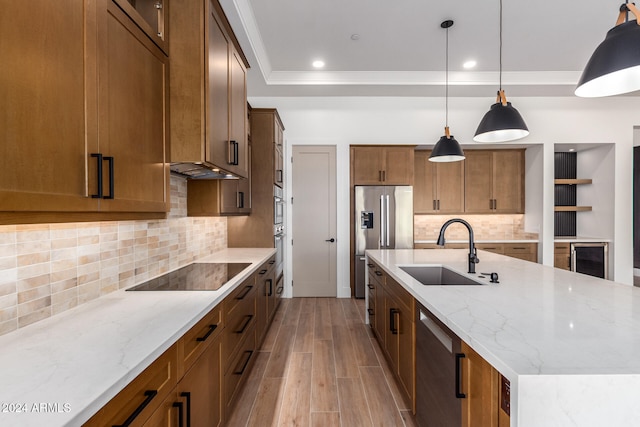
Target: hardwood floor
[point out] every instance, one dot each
(320, 366)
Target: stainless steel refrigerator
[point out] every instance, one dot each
(383, 220)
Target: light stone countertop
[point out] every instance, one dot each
(569, 343)
(78, 360)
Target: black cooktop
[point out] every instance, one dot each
(194, 277)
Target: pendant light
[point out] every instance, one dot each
(502, 122)
(447, 148)
(614, 67)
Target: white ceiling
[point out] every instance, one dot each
(401, 47)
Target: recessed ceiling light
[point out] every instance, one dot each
(355, 36)
(572, 150)
(469, 64)
(318, 64)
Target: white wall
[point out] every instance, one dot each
(342, 121)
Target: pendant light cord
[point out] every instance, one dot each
(446, 93)
(500, 44)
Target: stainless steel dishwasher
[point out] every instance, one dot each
(437, 372)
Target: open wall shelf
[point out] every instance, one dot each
(572, 181)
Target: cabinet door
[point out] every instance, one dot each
(217, 146)
(424, 188)
(45, 142)
(508, 181)
(167, 415)
(391, 331)
(366, 165)
(381, 314)
(406, 351)
(480, 384)
(133, 88)
(238, 112)
(478, 172)
(450, 187)
(398, 166)
(200, 388)
(278, 178)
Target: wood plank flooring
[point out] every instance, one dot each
(320, 366)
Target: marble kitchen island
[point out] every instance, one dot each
(567, 342)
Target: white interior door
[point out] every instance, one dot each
(314, 221)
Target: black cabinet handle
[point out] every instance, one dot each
(187, 396)
(180, 407)
(378, 273)
(392, 320)
(279, 290)
(261, 272)
(459, 394)
(370, 265)
(99, 164)
(244, 294)
(150, 395)
(240, 199)
(233, 153)
(209, 332)
(109, 159)
(246, 323)
(270, 287)
(370, 311)
(246, 362)
(370, 286)
(273, 261)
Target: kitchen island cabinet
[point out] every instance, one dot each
(561, 339)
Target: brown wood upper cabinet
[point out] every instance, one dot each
(494, 181)
(438, 187)
(208, 89)
(89, 133)
(382, 165)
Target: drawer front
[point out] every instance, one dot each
(376, 273)
(143, 395)
(496, 248)
(520, 248)
(238, 326)
(242, 293)
(562, 248)
(193, 343)
(239, 366)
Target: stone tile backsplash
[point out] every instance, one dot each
(485, 227)
(46, 269)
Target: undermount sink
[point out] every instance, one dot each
(438, 276)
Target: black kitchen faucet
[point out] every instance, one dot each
(473, 257)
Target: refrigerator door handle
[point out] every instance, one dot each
(387, 226)
(382, 217)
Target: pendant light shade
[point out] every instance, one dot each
(614, 67)
(502, 122)
(447, 148)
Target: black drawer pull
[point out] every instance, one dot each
(180, 407)
(370, 286)
(370, 265)
(261, 272)
(518, 249)
(111, 179)
(209, 332)
(273, 261)
(150, 395)
(378, 273)
(392, 320)
(246, 362)
(246, 323)
(244, 294)
(99, 164)
(279, 290)
(270, 287)
(459, 394)
(187, 396)
(370, 311)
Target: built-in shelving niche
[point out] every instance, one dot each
(566, 182)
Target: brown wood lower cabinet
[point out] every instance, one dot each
(562, 256)
(524, 251)
(195, 382)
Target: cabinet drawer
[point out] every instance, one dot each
(496, 248)
(237, 326)
(239, 365)
(194, 341)
(242, 293)
(520, 248)
(376, 273)
(562, 248)
(143, 395)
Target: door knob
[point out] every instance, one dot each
(331, 240)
